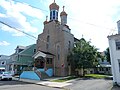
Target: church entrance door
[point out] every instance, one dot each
(40, 62)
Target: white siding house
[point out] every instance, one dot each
(4, 61)
(114, 46)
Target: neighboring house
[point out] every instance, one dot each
(114, 46)
(22, 58)
(4, 61)
(104, 67)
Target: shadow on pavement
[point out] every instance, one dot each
(115, 88)
(13, 82)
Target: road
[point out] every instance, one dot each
(78, 84)
(16, 85)
(91, 84)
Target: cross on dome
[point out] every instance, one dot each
(46, 18)
(63, 13)
(54, 6)
(63, 8)
(45, 22)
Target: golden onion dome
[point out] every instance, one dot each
(45, 22)
(54, 6)
(63, 13)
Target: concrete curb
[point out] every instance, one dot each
(25, 80)
(50, 86)
(37, 83)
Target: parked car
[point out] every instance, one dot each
(5, 75)
(2, 69)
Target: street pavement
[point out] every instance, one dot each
(91, 84)
(47, 82)
(18, 85)
(76, 84)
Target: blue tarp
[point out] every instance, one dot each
(29, 75)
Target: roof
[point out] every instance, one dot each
(67, 27)
(21, 47)
(54, 6)
(116, 36)
(104, 65)
(42, 54)
(75, 39)
(17, 63)
(47, 53)
(2, 67)
(63, 13)
(26, 48)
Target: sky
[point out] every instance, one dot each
(93, 20)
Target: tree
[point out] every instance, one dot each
(83, 55)
(107, 55)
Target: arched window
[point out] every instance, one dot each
(53, 14)
(47, 46)
(48, 39)
(69, 45)
(56, 15)
(58, 52)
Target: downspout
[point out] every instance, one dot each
(54, 65)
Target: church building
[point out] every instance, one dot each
(55, 43)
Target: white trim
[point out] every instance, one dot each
(39, 53)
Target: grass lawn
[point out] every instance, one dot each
(97, 76)
(65, 79)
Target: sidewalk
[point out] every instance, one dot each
(26, 80)
(47, 82)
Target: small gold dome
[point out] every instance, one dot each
(63, 13)
(45, 22)
(54, 6)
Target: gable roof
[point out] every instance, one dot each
(21, 47)
(27, 47)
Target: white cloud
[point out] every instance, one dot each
(15, 32)
(100, 13)
(103, 13)
(4, 43)
(15, 18)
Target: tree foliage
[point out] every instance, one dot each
(83, 55)
(107, 55)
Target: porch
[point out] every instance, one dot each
(43, 60)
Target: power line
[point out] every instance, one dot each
(23, 32)
(18, 30)
(31, 6)
(91, 24)
(111, 30)
(71, 18)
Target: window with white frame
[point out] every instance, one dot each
(119, 64)
(117, 42)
